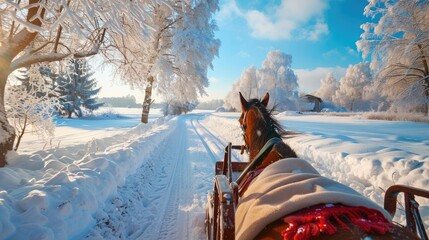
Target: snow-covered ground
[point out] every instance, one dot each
(112, 178)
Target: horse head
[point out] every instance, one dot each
(259, 126)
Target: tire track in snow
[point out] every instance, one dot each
(189, 181)
(214, 156)
(164, 226)
(180, 193)
(219, 142)
(206, 135)
(166, 197)
(193, 178)
(134, 212)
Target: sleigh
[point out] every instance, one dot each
(223, 200)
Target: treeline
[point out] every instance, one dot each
(210, 105)
(128, 101)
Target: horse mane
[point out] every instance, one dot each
(269, 126)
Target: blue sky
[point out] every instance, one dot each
(319, 34)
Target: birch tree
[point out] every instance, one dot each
(398, 44)
(33, 31)
(136, 36)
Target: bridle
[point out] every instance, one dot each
(243, 132)
(243, 127)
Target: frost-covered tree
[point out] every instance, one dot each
(328, 87)
(194, 48)
(179, 48)
(247, 85)
(159, 67)
(278, 78)
(76, 89)
(49, 73)
(275, 77)
(33, 31)
(352, 86)
(398, 43)
(28, 109)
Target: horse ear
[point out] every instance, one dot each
(265, 99)
(243, 101)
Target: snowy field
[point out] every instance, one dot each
(112, 178)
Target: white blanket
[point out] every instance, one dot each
(286, 186)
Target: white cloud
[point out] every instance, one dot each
(309, 79)
(291, 19)
(301, 11)
(227, 11)
(352, 51)
(263, 27)
(333, 53)
(314, 32)
(342, 53)
(244, 54)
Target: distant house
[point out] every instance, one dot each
(312, 103)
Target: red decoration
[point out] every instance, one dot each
(314, 221)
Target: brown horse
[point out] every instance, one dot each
(321, 217)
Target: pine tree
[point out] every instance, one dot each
(76, 89)
(49, 74)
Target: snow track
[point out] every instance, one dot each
(166, 197)
(177, 191)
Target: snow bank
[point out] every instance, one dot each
(54, 194)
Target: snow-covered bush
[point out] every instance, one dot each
(31, 106)
(220, 109)
(177, 108)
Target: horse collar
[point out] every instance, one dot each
(267, 147)
(258, 159)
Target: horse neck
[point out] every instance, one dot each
(260, 132)
(255, 146)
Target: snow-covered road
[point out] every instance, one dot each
(165, 198)
(151, 181)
